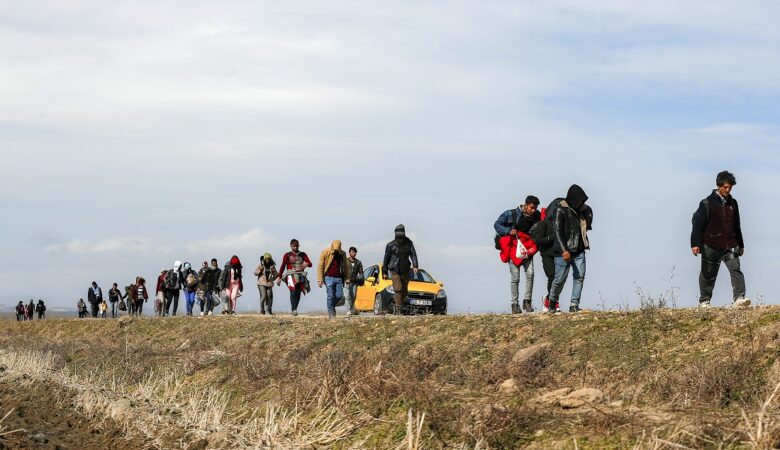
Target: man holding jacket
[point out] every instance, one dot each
(571, 219)
(400, 258)
(717, 237)
(333, 271)
(509, 223)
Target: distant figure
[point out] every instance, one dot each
(717, 237)
(20, 311)
(333, 273)
(208, 277)
(141, 295)
(95, 297)
(40, 308)
(400, 259)
(266, 273)
(232, 283)
(30, 310)
(571, 219)
(114, 296)
(82, 308)
(173, 283)
(295, 263)
(355, 280)
(103, 309)
(510, 223)
(543, 234)
(159, 293)
(190, 286)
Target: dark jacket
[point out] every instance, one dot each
(398, 254)
(718, 225)
(356, 270)
(95, 298)
(114, 295)
(184, 275)
(523, 223)
(571, 220)
(543, 233)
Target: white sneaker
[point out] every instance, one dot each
(545, 309)
(742, 302)
(201, 313)
(705, 305)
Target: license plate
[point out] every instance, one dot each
(420, 302)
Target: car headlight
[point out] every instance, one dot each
(441, 294)
(390, 290)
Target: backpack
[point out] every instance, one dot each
(706, 204)
(170, 280)
(497, 238)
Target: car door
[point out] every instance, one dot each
(364, 299)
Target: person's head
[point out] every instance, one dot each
(141, 280)
(267, 259)
(352, 252)
(531, 205)
(336, 245)
(576, 197)
(94, 284)
(177, 265)
(114, 285)
(187, 266)
(205, 264)
(214, 262)
(235, 262)
(400, 231)
(725, 182)
(294, 245)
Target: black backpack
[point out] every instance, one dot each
(170, 280)
(498, 236)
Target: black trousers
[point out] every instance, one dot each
(548, 263)
(710, 264)
(171, 298)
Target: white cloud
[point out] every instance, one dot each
(113, 245)
(250, 241)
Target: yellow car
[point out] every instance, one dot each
(426, 295)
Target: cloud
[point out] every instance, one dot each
(113, 245)
(251, 240)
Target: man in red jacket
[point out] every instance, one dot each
(295, 263)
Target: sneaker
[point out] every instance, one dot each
(705, 305)
(742, 302)
(527, 306)
(295, 312)
(515, 308)
(201, 314)
(574, 309)
(270, 313)
(557, 308)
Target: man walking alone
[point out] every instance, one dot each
(333, 273)
(717, 237)
(400, 257)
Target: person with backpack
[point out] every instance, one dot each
(40, 308)
(140, 294)
(30, 310)
(295, 263)
(95, 297)
(232, 283)
(355, 280)
(114, 296)
(190, 286)
(173, 284)
(571, 219)
(20, 311)
(333, 273)
(510, 223)
(717, 237)
(543, 235)
(266, 273)
(400, 258)
(80, 306)
(210, 285)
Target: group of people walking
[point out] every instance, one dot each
(338, 272)
(28, 312)
(560, 234)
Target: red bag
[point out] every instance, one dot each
(509, 248)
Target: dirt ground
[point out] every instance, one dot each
(49, 421)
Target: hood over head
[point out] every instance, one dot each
(187, 266)
(235, 262)
(576, 197)
(400, 231)
(267, 256)
(336, 245)
(177, 265)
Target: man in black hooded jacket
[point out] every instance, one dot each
(400, 259)
(571, 219)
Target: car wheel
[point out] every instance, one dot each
(379, 308)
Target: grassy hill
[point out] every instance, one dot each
(651, 378)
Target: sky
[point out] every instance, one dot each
(134, 134)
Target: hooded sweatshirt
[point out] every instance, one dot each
(333, 263)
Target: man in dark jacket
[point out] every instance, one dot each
(509, 223)
(571, 219)
(717, 236)
(400, 258)
(543, 234)
(95, 297)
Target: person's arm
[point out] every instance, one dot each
(738, 229)
(386, 260)
(699, 225)
(283, 266)
(502, 223)
(259, 270)
(306, 260)
(321, 268)
(413, 255)
(558, 230)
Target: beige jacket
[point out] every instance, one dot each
(326, 258)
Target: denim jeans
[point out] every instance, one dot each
(189, 296)
(113, 308)
(577, 264)
(349, 296)
(514, 280)
(710, 264)
(335, 290)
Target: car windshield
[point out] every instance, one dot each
(421, 276)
